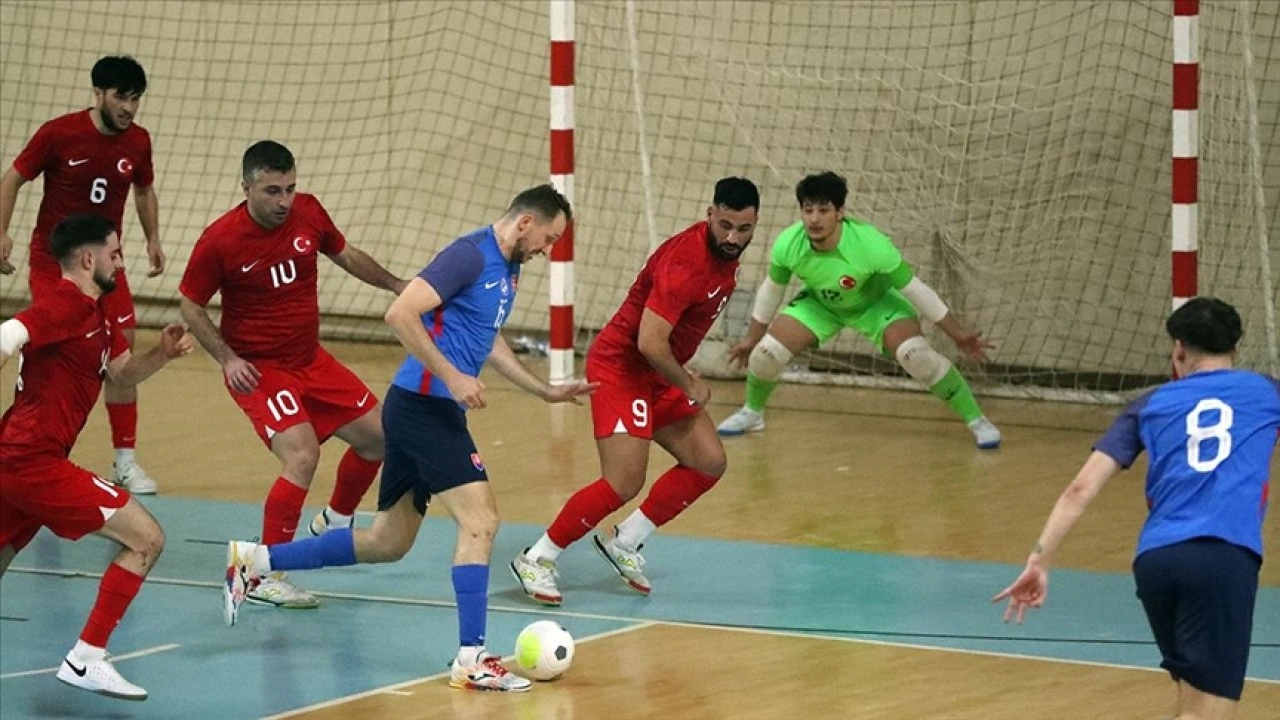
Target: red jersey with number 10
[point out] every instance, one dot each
(60, 372)
(85, 171)
(682, 282)
(270, 308)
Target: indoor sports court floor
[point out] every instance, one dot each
(842, 568)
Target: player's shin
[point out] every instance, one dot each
(332, 549)
(471, 589)
(674, 491)
(281, 512)
(355, 476)
(116, 591)
(583, 512)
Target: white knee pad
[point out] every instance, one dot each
(768, 359)
(922, 362)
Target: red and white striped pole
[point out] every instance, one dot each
(560, 353)
(1186, 146)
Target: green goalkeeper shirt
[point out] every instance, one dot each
(848, 279)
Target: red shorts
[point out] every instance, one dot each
(325, 393)
(52, 492)
(117, 305)
(634, 402)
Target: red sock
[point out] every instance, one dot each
(583, 512)
(355, 475)
(124, 424)
(115, 592)
(673, 492)
(281, 512)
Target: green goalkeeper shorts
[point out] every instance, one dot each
(825, 323)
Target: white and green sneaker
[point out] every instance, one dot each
(627, 563)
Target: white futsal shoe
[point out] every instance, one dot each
(986, 433)
(133, 478)
(486, 674)
(537, 578)
(98, 676)
(275, 589)
(320, 524)
(628, 563)
(240, 579)
(742, 422)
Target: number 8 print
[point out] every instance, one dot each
(1197, 434)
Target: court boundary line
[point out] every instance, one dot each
(556, 612)
(126, 656)
(396, 687)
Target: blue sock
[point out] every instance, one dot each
(471, 588)
(336, 547)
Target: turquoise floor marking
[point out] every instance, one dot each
(274, 660)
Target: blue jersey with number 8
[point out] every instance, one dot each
(1210, 437)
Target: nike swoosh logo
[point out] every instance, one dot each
(95, 332)
(123, 318)
(74, 163)
(363, 400)
(491, 285)
(715, 292)
(247, 268)
(77, 670)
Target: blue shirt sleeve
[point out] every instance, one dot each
(1122, 442)
(456, 267)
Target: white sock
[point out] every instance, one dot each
(634, 530)
(337, 519)
(124, 456)
(85, 652)
(469, 654)
(544, 548)
(262, 559)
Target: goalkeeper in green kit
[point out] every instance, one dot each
(854, 277)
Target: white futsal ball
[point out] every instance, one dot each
(544, 650)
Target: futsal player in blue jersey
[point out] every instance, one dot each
(449, 318)
(1210, 436)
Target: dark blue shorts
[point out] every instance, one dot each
(428, 449)
(1199, 597)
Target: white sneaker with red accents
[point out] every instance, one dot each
(487, 673)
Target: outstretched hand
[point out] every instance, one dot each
(176, 341)
(1028, 591)
(571, 392)
(974, 345)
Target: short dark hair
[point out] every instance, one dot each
(819, 188)
(736, 193)
(121, 73)
(544, 201)
(1207, 325)
(76, 231)
(265, 155)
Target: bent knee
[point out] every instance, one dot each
(768, 358)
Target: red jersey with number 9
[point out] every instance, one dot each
(85, 171)
(267, 277)
(683, 283)
(60, 372)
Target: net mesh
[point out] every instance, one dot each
(1017, 152)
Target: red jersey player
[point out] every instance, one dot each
(89, 160)
(68, 344)
(645, 395)
(262, 256)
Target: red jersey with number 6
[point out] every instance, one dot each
(270, 309)
(85, 171)
(683, 283)
(60, 372)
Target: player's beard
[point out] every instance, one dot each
(724, 251)
(109, 121)
(105, 284)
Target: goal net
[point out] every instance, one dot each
(1017, 152)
